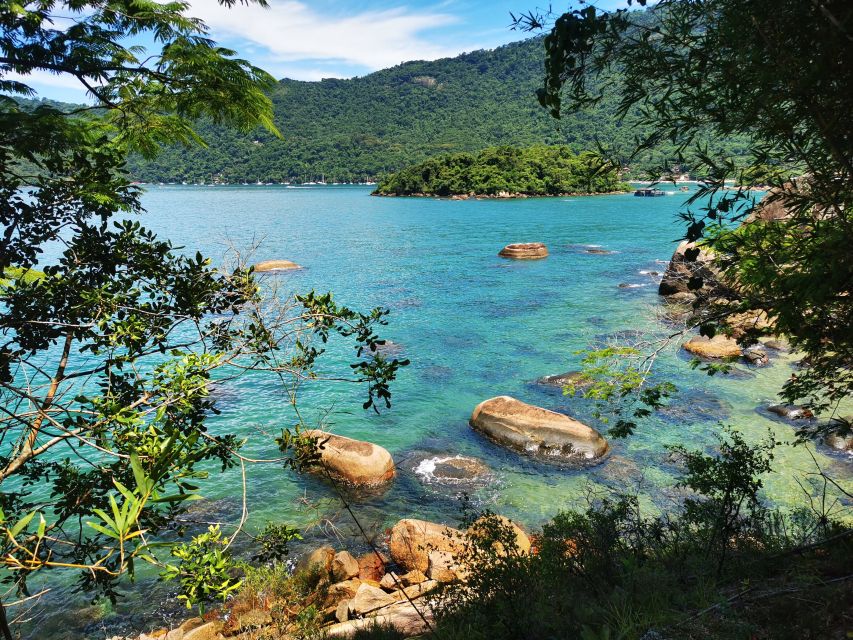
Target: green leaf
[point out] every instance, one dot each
(22, 524)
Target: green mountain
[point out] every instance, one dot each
(362, 128)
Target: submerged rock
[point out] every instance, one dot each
(791, 412)
(524, 251)
(575, 379)
(756, 355)
(353, 461)
(537, 431)
(276, 265)
(450, 469)
(386, 349)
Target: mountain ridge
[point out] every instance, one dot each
(359, 129)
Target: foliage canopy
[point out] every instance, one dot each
(779, 74)
(110, 337)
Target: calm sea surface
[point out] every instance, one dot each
(474, 326)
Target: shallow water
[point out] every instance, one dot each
(474, 326)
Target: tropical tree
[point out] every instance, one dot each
(110, 337)
(780, 74)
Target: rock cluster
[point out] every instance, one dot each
(356, 593)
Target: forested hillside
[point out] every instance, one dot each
(362, 128)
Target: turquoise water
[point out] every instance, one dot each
(474, 326)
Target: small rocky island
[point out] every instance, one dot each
(507, 172)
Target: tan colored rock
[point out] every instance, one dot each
(276, 265)
(415, 591)
(371, 566)
(720, 346)
(341, 591)
(415, 576)
(318, 561)
(402, 616)
(443, 567)
(741, 323)
(537, 431)
(369, 598)
(481, 527)
(207, 631)
(344, 566)
(390, 581)
(353, 461)
(342, 611)
(411, 541)
(524, 251)
(253, 618)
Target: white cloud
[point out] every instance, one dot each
(290, 30)
(46, 78)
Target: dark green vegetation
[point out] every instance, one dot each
(358, 129)
(535, 171)
(716, 63)
(722, 567)
(107, 352)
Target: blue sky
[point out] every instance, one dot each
(310, 40)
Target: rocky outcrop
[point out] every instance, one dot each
(718, 347)
(687, 266)
(411, 542)
(276, 265)
(524, 251)
(537, 431)
(353, 461)
(573, 379)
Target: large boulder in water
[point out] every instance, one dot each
(412, 541)
(353, 461)
(276, 265)
(537, 431)
(720, 346)
(687, 263)
(524, 251)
